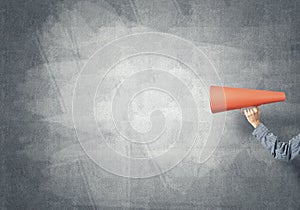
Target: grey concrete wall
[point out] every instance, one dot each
(44, 45)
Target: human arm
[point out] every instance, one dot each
(279, 150)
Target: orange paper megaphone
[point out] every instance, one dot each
(227, 98)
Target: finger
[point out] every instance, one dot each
(247, 112)
(255, 110)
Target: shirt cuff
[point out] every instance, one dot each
(260, 131)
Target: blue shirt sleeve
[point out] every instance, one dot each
(280, 150)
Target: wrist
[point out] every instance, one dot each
(255, 124)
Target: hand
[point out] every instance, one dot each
(253, 116)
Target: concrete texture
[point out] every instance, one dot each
(44, 45)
